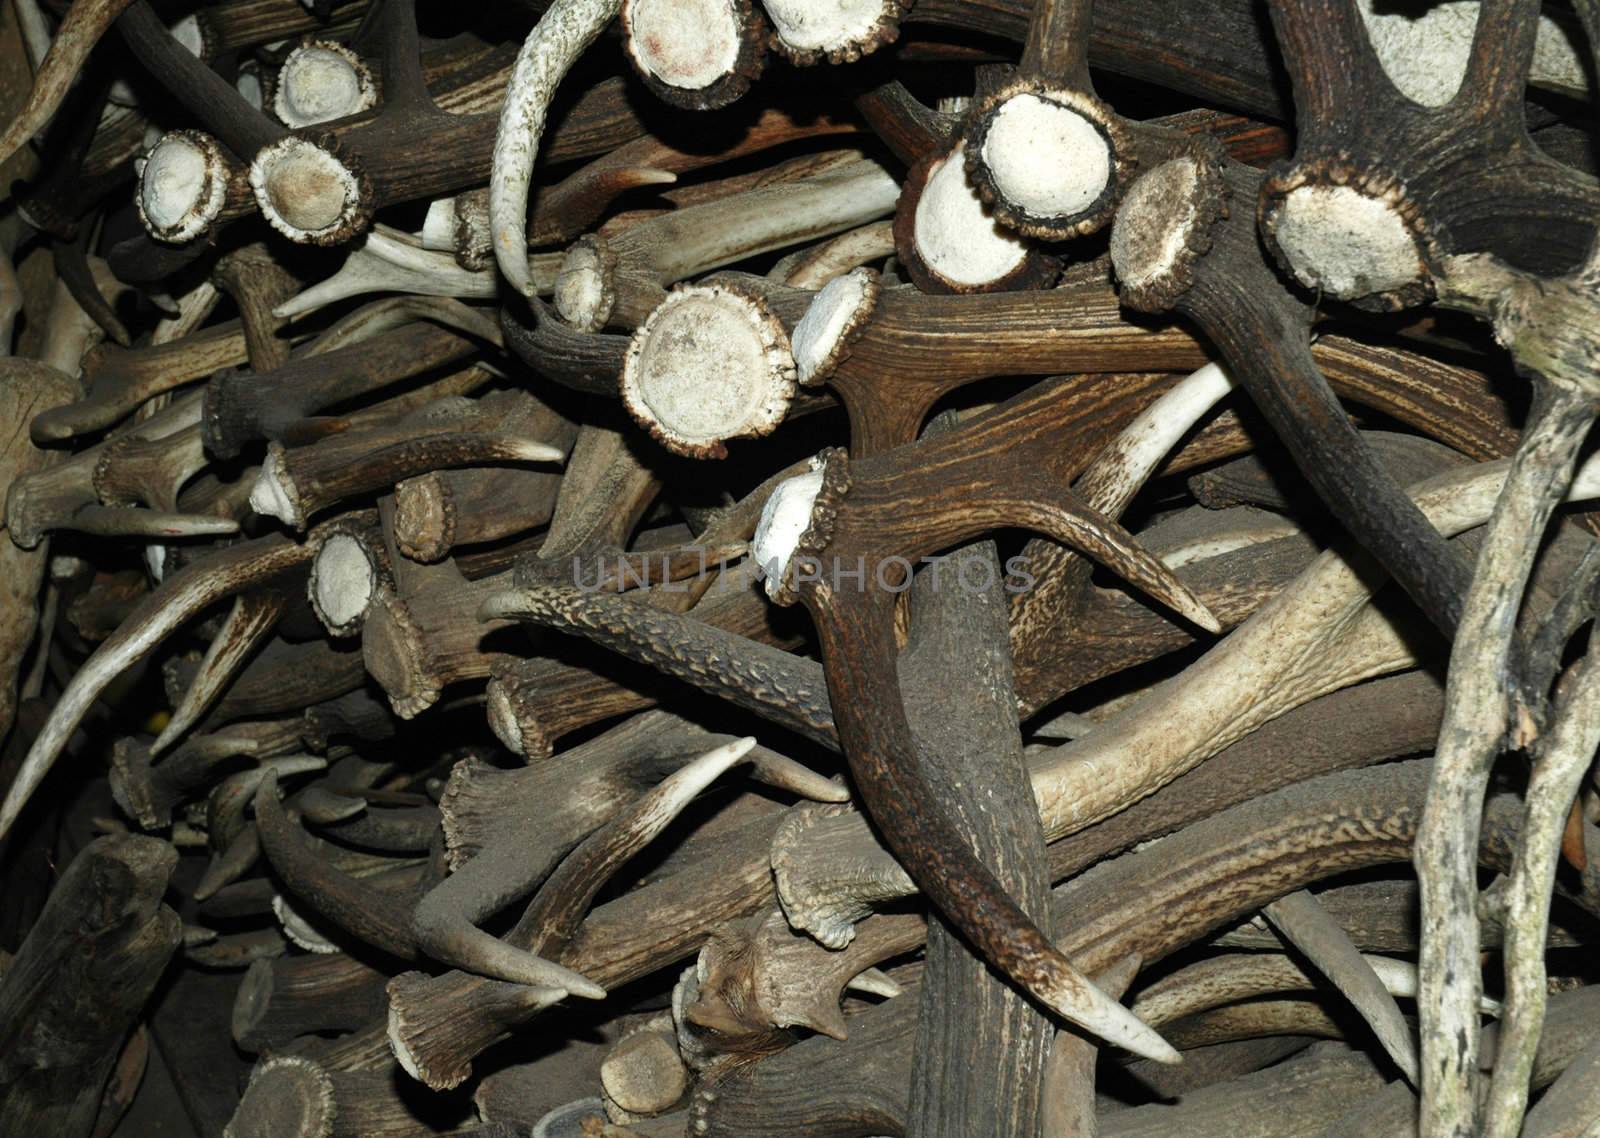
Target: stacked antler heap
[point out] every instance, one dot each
(781, 567)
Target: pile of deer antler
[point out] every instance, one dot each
(424, 425)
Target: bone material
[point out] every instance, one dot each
(955, 235)
(784, 519)
(81, 28)
(562, 34)
(320, 81)
(804, 26)
(684, 43)
(1147, 253)
(181, 186)
(343, 580)
(1424, 48)
(709, 364)
(1046, 158)
(1346, 243)
(304, 191)
(837, 309)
